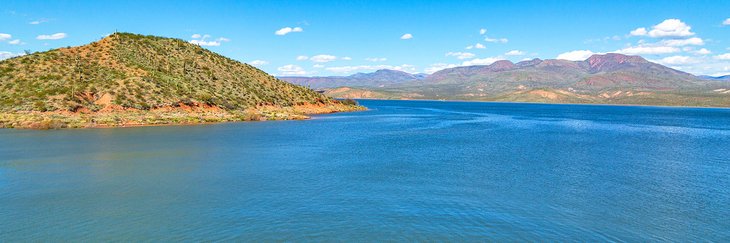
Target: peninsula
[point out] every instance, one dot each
(128, 79)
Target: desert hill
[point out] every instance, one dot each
(136, 73)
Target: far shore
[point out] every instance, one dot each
(546, 103)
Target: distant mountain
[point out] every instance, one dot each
(607, 78)
(135, 79)
(379, 78)
(598, 72)
(722, 78)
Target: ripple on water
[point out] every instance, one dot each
(401, 171)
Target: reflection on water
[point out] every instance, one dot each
(404, 171)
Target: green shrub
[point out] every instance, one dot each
(349, 102)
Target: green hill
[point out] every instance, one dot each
(130, 79)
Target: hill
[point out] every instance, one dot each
(130, 79)
(379, 78)
(723, 78)
(604, 79)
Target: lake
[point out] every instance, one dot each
(402, 171)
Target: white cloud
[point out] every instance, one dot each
(438, 67)
(477, 46)
(40, 21)
(677, 60)
(639, 32)
(350, 69)
(726, 22)
(725, 56)
(287, 30)
(703, 51)
(14, 42)
(496, 40)
(291, 70)
(346, 58)
(604, 39)
(406, 36)
(317, 66)
(684, 42)
(258, 62)
(461, 55)
(515, 53)
(376, 59)
(200, 40)
(482, 31)
(483, 61)
(323, 58)
(671, 28)
(5, 55)
(205, 43)
(647, 50)
(302, 58)
(699, 65)
(56, 36)
(578, 55)
(4, 36)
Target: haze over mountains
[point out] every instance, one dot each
(607, 78)
(379, 78)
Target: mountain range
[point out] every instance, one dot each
(380, 78)
(129, 79)
(606, 78)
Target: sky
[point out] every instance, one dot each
(324, 38)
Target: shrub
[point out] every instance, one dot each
(348, 102)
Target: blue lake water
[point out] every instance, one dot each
(402, 171)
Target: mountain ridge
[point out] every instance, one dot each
(378, 78)
(601, 78)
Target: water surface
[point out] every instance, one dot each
(404, 170)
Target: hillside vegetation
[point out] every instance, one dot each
(135, 73)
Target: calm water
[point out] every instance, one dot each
(404, 171)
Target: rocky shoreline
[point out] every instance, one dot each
(163, 116)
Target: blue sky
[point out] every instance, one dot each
(315, 38)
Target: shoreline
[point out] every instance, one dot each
(545, 103)
(176, 117)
